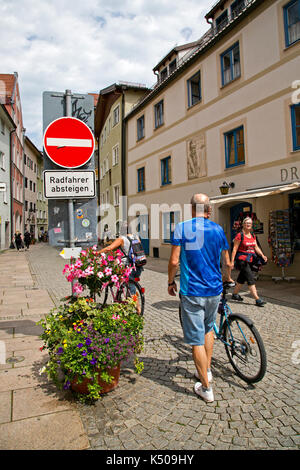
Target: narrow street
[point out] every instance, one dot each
(157, 409)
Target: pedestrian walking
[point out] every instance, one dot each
(198, 243)
(19, 241)
(244, 253)
(27, 239)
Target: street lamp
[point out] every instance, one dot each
(225, 187)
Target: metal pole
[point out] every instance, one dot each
(68, 98)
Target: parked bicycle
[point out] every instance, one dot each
(243, 343)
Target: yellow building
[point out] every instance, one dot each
(224, 116)
(113, 103)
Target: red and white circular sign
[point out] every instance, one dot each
(69, 142)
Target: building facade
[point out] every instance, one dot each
(10, 97)
(7, 126)
(42, 202)
(113, 103)
(224, 116)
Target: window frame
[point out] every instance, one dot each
(189, 89)
(230, 51)
(167, 223)
(115, 122)
(165, 171)
(115, 155)
(234, 133)
(116, 200)
(140, 135)
(296, 146)
(141, 179)
(159, 119)
(286, 25)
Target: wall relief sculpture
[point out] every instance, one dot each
(196, 157)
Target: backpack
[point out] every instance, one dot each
(136, 253)
(256, 261)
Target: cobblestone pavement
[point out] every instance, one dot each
(159, 410)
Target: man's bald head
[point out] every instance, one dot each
(200, 205)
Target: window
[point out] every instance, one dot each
(165, 171)
(291, 13)
(230, 64)
(234, 147)
(295, 114)
(159, 114)
(194, 89)
(116, 195)
(116, 115)
(172, 66)
(170, 220)
(2, 126)
(164, 74)
(26, 182)
(141, 179)
(141, 128)
(2, 160)
(237, 7)
(107, 196)
(222, 21)
(115, 155)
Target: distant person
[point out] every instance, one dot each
(18, 240)
(27, 239)
(244, 250)
(198, 243)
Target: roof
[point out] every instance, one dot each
(107, 97)
(216, 7)
(174, 51)
(7, 86)
(206, 42)
(96, 96)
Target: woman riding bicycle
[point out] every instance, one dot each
(123, 243)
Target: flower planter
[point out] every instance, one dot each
(82, 387)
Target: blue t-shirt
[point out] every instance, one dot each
(202, 242)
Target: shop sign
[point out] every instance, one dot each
(289, 174)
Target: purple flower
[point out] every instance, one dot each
(93, 361)
(84, 353)
(88, 341)
(67, 385)
(106, 340)
(79, 345)
(60, 350)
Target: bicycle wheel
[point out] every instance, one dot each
(129, 289)
(245, 348)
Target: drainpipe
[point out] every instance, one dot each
(123, 166)
(11, 184)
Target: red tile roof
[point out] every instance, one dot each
(7, 81)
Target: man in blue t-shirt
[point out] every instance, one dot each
(199, 243)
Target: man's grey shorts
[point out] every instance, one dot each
(198, 315)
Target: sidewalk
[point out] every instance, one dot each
(33, 415)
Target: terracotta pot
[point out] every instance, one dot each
(106, 387)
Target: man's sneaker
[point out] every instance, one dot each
(237, 297)
(206, 394)
(209, 375)
(260, 302)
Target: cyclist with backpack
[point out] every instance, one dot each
(244, 254)
(134, 255)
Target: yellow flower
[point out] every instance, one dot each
(65, 345)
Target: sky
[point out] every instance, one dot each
(87, 45)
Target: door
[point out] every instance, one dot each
(143, 231)
(239, 211)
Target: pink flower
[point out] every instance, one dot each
(116, 317)
(78, 264)
(108, 271)
(115, 278)
(77, 288)
(110, 258)
(100, 274)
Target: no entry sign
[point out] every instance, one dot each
(69, 142)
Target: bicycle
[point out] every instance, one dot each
(243, 344)
(121, 293)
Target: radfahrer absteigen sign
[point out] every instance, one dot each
(69, 184)
(69, 168)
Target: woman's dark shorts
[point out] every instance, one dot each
(245, 274)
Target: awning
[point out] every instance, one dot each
(254, 193)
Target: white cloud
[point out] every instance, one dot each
(86, 46)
